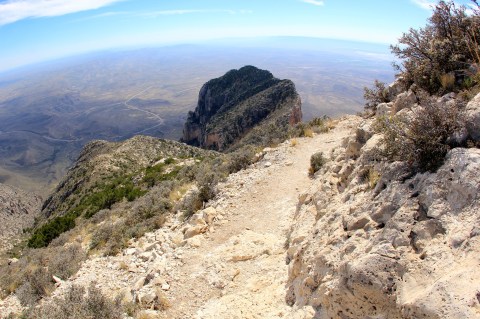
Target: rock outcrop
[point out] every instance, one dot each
(18, 210)
(231, 106)
(372, 239)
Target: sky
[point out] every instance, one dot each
(38, 30)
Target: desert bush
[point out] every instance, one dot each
(76, 304)
(424, 140)
(103, 196)
(375, 95)
(43, 235)
(240, 159)
(321, 124)
(66, 261)
(317, 160)
(439, 56)
(31, 277)
(145, 214)
(190, 203)
(38, 283)
(316, 125)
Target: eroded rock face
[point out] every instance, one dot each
(383, 243)
(473, 118)
(229, 107)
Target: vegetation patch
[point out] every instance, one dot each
(317, 161)
(423, 140)
(43, 235)
(79, 304)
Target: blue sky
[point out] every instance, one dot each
(37, 30)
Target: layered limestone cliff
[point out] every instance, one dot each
(231, 106)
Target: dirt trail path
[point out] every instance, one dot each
(239, 270)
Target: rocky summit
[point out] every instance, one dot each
(245, 106)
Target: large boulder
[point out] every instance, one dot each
(473, 118)
(404, 100)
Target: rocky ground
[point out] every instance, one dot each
(228, 260)
(363, 238)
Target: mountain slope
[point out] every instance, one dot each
(231, 106)
(236, 268)
(18, 210)
(347, 243)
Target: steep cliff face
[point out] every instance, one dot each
(229, 107)
(18, 210)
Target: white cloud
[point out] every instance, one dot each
(314, 2)
(15, 10)
(424, 4)
(156, 14)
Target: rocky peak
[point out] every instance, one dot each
(229, 107)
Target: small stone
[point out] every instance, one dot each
(57, 280)
(194, 231)
(194, 242)
(130, 251)
(139, 284)
(209, 214)
(165, 286)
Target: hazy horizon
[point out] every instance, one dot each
(382, 51)
(34, 31)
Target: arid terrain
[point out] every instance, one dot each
(48, 113)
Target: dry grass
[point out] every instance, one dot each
(373, 178)
(293, 142)
(447, 81)
(331, 124)
(308, 132)
(178, 192)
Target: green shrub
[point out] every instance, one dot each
(43, 235)
(424, 140)
(240, 159)
(156, 174)
(439, 56)
(317, 161)
(104, 196)
(375, 95)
